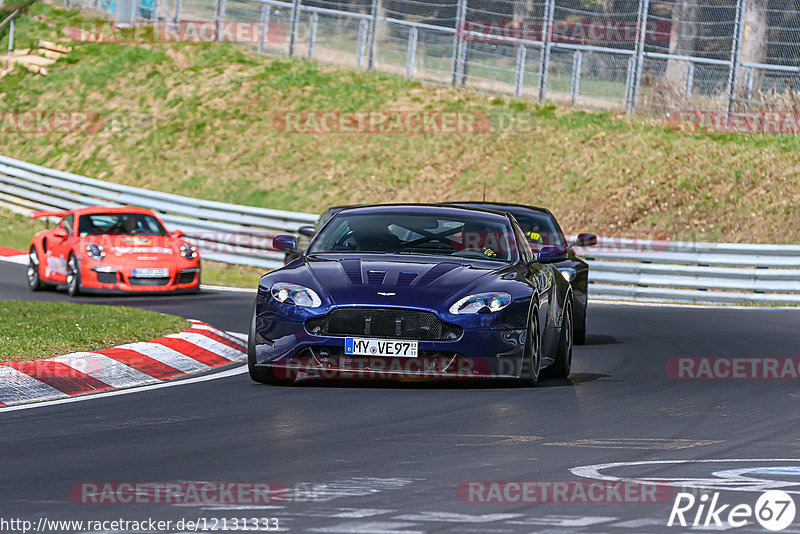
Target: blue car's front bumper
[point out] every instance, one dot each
(294, 353)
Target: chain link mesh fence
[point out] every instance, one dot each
(651, 56)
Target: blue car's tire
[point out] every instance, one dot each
(562, 365)
(262, 375)
(532, 357)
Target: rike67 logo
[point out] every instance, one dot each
(774, 510)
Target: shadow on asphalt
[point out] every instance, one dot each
(600, 339)
(573, 380)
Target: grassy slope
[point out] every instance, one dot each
(16, 231)
(36, 330)
(212, 136)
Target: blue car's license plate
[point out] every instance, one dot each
(380, 347)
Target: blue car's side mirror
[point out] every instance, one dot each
(552, 254)
(287, 243)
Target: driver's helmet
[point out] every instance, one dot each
(370, 236)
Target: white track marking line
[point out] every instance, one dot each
(167, 356)
(222, 374)
(16, 386)
(21, 259)
(104, 369)
(229, 289)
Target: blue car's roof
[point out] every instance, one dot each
(426, 209)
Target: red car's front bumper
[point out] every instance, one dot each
(105, 276)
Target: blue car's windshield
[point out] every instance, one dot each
(461, 236)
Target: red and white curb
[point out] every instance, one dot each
(200, 348)
(13, 255)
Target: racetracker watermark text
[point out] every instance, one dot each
(186, 31)
(733, 368)
(193, 493)
(564, 492)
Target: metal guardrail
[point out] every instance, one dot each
(694, 272)
(224, 232)
(620, 269)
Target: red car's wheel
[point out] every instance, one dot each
(73, 276)
(34, 282)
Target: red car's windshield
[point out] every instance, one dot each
(119, 224)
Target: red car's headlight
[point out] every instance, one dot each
(188, 251)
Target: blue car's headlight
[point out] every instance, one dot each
(295, 294)
(481, 303)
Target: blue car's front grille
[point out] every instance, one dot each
(383, 322)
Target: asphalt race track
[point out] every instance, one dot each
(389, 457)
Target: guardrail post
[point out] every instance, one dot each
(312, 36)
(459, 37)
(219, 16)
(373, 34)
(575, 82)
(688, 82)
(293, 30)
(411, 53)
(361, 45)
(519, 71)
(264, 30)
(544, 58)
(641, 36)
(736, 54)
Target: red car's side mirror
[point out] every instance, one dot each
(177, 233)
(60, 233)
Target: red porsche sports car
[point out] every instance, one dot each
(112, 249)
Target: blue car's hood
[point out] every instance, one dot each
(375, 281)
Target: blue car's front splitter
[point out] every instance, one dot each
(294, 354)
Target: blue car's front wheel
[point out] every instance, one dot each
(262, 375)
(532, 358)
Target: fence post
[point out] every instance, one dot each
(312, 35)
(748, 84)
(519, 71)
(11, 36)
(220, 18)
(177, 17)
(641, 36)
(547, 34)
(459, 37)
(411, 54)
(736, 53)
(154, 13)
(363, 30)
(575, 82)
(373, 34)
(629, 80)
(293, 30)
(264, 30)
(689, 82)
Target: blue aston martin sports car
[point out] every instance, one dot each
(413, 292)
